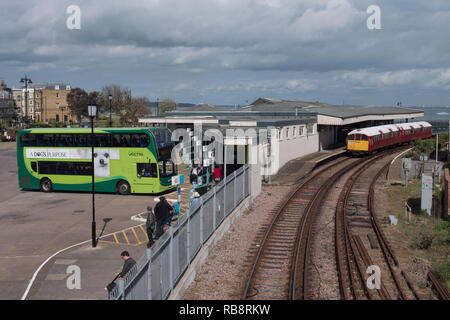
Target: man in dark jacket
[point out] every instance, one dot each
(162, 214)
(127, 265)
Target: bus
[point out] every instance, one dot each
(126, 160)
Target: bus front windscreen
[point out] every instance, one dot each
(163, 143)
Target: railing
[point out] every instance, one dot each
(158, 272)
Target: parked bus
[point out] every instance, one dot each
(126, 160)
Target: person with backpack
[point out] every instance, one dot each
(150, 226)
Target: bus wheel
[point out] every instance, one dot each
(46, 185)
(123, 187)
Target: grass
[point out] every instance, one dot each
(428, 235)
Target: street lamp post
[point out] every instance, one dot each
(110, 119)
(92, 111)
(62, 114)
(27, 81)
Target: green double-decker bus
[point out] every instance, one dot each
(126, 160)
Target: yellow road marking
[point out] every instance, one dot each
(115, 238)
(126, 238)
(135, 234)
(142, 228)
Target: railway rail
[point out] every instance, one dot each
(441, 290)
(352, 257)
(280, 267)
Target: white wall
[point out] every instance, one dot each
(294, 146)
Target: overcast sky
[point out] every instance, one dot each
(233, 51)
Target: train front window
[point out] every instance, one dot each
(363, 137)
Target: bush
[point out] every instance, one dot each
(442, 230)
(422, 237)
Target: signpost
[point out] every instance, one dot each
(427, 193)
(178, 181)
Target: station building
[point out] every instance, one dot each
(297, 128)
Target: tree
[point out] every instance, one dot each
(129, 109)
(139, 107)
(166, 105)
(77, 100)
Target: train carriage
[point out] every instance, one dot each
(367, 140)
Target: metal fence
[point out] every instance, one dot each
(156, 274)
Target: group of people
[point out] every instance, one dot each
(201, 171)
(158, 221)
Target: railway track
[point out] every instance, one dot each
(355, 216)
(441, 290)
(280, 267)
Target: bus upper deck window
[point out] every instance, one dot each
(27, 140)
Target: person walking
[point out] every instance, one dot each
(193, 177)
(127, 265)
(162, 215)
(196, 199)
(217, 175)
(150, 226)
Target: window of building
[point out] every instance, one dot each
(57, 95)
(31, 102)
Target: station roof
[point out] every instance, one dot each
(335, 115)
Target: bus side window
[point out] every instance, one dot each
(134, 141)
(34, 166)
(125, 140)
(47, 167)
(147, 170)
(82, 168)
(143, 140)
(45, 140)
(101, 140)
(115, 140)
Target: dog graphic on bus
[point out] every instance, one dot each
(101, 163)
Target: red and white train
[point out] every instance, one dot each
(367, 140)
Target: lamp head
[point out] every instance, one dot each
(92, 109)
